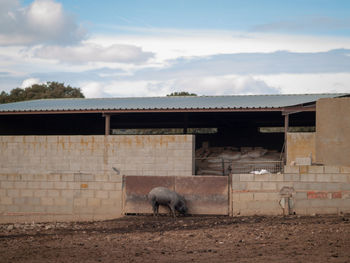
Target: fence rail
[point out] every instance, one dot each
(222, 166)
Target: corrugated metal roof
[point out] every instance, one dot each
(166, 103)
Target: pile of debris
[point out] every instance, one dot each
(227, 160)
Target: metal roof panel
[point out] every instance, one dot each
(167, 103)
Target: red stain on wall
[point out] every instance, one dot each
(316, 195)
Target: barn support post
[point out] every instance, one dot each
(185, 123)
(107, 124)
(286, 127)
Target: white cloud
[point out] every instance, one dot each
(309, 83)
(84, 53)
(43, 21)
(29, 82)
(224, 85)
(93, 90)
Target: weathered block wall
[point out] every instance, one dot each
(131, 155)
(59, 196)
(45, 178)
(300, 145)
(333, 131)
(315, 189)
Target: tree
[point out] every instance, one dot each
(49, 90)
(181, 93)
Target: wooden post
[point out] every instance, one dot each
(107, 124)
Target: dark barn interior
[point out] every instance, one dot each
(239, 128)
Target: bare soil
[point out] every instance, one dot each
(188, 239)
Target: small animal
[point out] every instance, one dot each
(163, 196)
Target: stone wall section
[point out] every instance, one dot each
(313, 190)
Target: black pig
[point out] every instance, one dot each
(164, 196)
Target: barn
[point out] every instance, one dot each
(86, 159)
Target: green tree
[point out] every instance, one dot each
(181, 93)
(48, 90)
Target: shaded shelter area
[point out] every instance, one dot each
(222, 121)
(230, 128)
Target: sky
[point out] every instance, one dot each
(137, 48)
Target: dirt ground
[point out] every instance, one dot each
(188, 239)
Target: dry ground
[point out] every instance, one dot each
(188, 239)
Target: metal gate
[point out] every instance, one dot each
(205, 195)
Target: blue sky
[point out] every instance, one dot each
(152, 48)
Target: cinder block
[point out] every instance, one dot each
(345, 169)
(253, 185)
(19, 200)
(291, 169)
(60, 185)
(307, 177)
(27, 192)
(260, 196)
(80, 202)
(46, 201)
(300, 196)
(60, 201)
(239, 186)
(87, 193)
(54, 177)
(101, 178)
(246, 177)
(20, 185)
(244, 197)
(345, 187)
(261, 177)
(342, 178)
(53, 193)
(40, 193)
(13, 193)
(115, 195)
(332, 169)
(101, 194)
(269, 186)
(276, 177)
(291, 177)
(33, 185)
(235, 177)
(316, 169)
(108, 186)
(7, 185)
(302, 204)
(326, 178)
(46, 185)
(6, 200)
(33, 201)
(94, 202)
(333, 187)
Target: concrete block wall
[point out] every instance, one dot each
(45, 178)
(132, 155)
(59, 197)
(315, 190)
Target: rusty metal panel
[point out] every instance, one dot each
(204, 194)
(136, 189)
